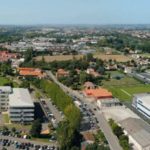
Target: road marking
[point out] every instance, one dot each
(126, 92)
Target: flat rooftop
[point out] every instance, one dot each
(20, 98)
(144, 97)
(138, 129)
(5, 89)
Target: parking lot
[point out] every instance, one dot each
(89, 121)
(51, 112)
(10, 144)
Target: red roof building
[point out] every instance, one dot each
(5, 56)
(36, 72)
(62, 73)
(99, 93)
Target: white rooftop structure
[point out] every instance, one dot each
(144, 98)
(20, 98)
(7, 89)
(138, 131)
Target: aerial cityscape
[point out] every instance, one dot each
(74, 75)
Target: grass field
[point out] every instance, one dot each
(126, 93)
(3, 81)
(126, 87)
(6, 118)
(119, 58)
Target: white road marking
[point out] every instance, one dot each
(126, 92)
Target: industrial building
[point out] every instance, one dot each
(21, 106)
(108, 102)
(138, 132)
(142, 103)
(4, 99)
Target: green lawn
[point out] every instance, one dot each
(125, 93)
(3, 81)
(126, 81)
(6, 118)
(124, 88)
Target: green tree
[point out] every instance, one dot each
(36, 128)
(28, 55)
(25, 84)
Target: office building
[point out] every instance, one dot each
(4, 97)
(21, 106)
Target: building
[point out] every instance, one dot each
(88, 138)
(21, 106)
(96, 94)
(138, 132)
(5, 56)
(62, 73)
(4, 97)
(108, 102)
(92, 72)
(34, 72)
(89, 85)
(142, 103)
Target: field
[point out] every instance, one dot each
(125, 88)
(5, 118)
(119, 58)
(4, 81)
(126, 93)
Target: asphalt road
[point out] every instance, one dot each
(103, 124)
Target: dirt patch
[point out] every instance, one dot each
(119, 58)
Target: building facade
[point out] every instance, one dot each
(4, 97)
(21, 106)
(142, 103)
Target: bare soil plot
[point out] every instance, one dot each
(119, 58)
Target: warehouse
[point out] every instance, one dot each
(138, 132)
(21, 106)
(142, 103)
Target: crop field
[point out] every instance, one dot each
(119, 58)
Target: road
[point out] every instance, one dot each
(103, 124)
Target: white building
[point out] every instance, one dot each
(142, 103)
(21, 106)
(108, 102)
(4, 97)
(138, 132)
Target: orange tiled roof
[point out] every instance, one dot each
(62, 72)
(31, 72)
(88, 136)
(98, 93)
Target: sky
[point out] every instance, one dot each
(26, 12)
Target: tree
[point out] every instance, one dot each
(67, 136)
(89, 57)
(13, 129)
(28, 55)
(25, 84)
(37, 95)
(95, 146)
(36, 128)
